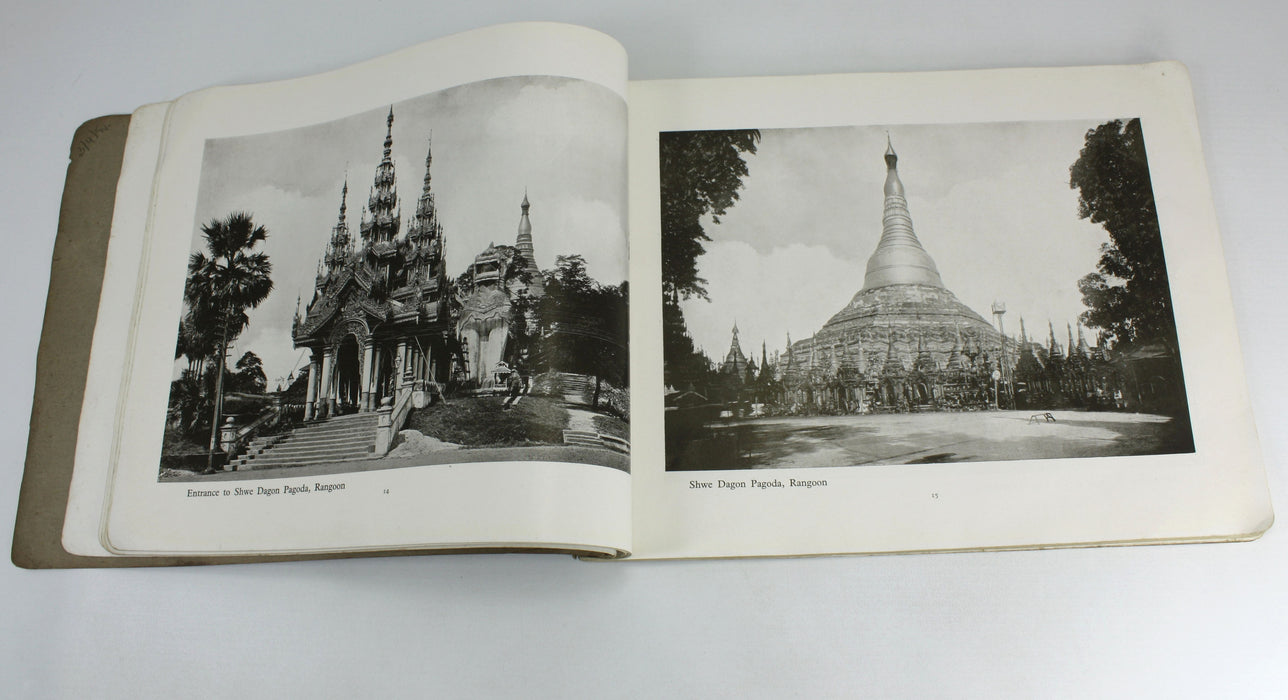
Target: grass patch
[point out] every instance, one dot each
(174, 442)
(612, 425)
(180, 452)
(483, 422)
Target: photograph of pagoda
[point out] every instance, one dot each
(437, 281)
(809, 323)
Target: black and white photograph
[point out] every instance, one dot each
(441, 280)
(914, 294)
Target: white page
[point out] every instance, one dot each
(1216, 492)
(506, 504)
(85, 502)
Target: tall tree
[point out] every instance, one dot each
(250, 377)
(701, 173)
(583, 325)
(225, 280)
(1128, 296)
(684, 368)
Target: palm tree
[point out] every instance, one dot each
(221, 286)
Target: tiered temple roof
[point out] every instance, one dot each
(735, 362)
(382, 279)
(382, 217)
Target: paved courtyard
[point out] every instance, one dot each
(836, 441)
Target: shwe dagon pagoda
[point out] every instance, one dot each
(905, 342)
(904, 339)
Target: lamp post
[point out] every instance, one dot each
(996, 376)
(999, 311)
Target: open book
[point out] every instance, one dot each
(486, 294)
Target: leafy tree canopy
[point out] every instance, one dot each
(701, 173)
(229, 277)
(583, 324)
(1128, 296)
(250, 375)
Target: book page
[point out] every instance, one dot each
(415, 271)
(86, 504)
(928, 312)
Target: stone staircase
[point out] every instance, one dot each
(591, 438)
(338, 439)
(575, 387)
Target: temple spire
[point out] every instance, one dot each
(389, 133)
(524, 240)
(381, 220)
(893, 185)
(1082, 342)
(923, 361)
(340, 246)
(424, 256)
(429, 158)
(735, 362)
(344, 198)
(425, 223)
(899, 257)
(893, 365)
(955, 360)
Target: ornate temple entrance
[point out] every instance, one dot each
(348, 376)
(386, 381)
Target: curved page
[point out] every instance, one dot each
(920, 334)
(414, 270)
